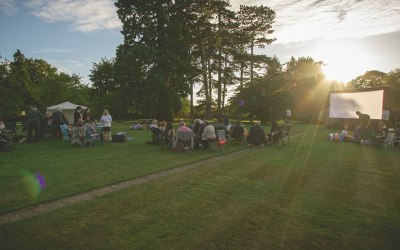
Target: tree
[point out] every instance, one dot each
(307, 82)
(10, 93)
(157, 32)
(255, 26)
(372, 78)
(393, 78)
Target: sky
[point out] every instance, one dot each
(349, 36)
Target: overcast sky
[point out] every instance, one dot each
(349, 36)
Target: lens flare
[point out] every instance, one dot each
(34, 183)
(241, 102)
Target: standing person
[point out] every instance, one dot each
(33, 120)
(58, 119)
(87, 114)
(364, 124)
(77, 114)
(106, 120)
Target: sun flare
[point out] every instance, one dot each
(342, 61)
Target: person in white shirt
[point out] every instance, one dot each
(208, 134)
(106, 120)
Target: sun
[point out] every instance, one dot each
(342, 61)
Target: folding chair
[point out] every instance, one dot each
(91, 138)
(221, 138)
(78, 136)
(65, 135)
(285, 133)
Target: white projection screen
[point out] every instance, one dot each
(345, 105)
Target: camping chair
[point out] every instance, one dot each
(221, 138)
(285, 133)
(78, 136)
(185, 140)
(65, 135)
(91, 138)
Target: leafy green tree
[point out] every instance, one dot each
(307, 82)
(393, 78)
(255, 26)
(372, 78)
(10, 93)
(157, 32)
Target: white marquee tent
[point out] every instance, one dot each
(67, 108)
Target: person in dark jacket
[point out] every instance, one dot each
(33, 120)
(58, 119)
(256, 136)
(77, 114)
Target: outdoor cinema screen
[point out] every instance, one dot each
(345, 105)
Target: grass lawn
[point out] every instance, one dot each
(309, 194)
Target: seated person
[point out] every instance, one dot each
(237, 132)
(184, 137)
(275, 133)
(208, 134)
(89, 127)
(380, 133)
(138, 126)
(256, 136)
(345, 134)
(78, 133)
(198, 129)
(170, 134)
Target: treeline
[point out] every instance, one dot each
(171, 46)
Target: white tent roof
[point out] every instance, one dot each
(64, 106)
(67, 108)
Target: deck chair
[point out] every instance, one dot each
(78, 136)
(285, 133)
(65, 135)
(390, 138)
(185, 140)
(91, 138)
(221, 139)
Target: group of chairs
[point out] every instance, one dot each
(79, 136)
(185, 140)
(278, 137)
(390, 137)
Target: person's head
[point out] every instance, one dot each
(207, 122)
(79, 123)
(239, 123)
(78, 108)
(154, 122)
(87, 120)
(346, 127)
(163, 123)
(358, 113)
(182, 123)
(34, 107)
(257, 123)
(59, 110)
(105, 112)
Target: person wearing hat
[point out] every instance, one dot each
(33, 120)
